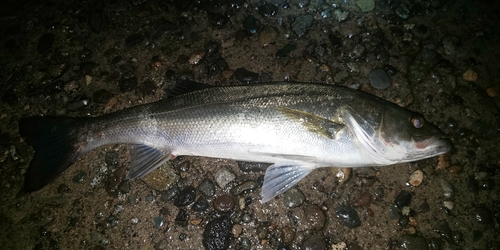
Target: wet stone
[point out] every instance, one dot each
(182, 218)
(133, 40)
(79, 177)
(293, 198)
(45, 43)
(287, 234)
(301, 24)
(268, 35)
(348, 216)
(245, 76)
(63, 188)
(285, 50)
(85, 55)
(314, 243)
(217, 234)
(57, 70)
(403, 199)
(357, 52)
(124, 186)
(300, 3)
(250, 24)
(101, 96)
(158, 222)
(283, 247)
(366, 5)
(111, 158)
(87, 68)
(315, 217)
(416, 178)
(128, 84)
(482, 215)
(448, 190)
(245, 186)
(413, 243)
(443, 229)
(268, 10)
(379, 79)
(207, 188)
(185, 197)
(216, 19)
(224, 203)
(362, 200)
(200, 205)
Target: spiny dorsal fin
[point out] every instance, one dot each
(312, 122)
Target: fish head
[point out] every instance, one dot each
(392, 134)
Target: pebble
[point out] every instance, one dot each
(245, 76)
(403, 199)
(133, 39)
(79, 177)
(45, 43)
(268, 10)
(287, 234)
(348, 216)
(245, 186)
(315, 217)
(340, 15)
(158, 222)
(300, 3)
(285, 50)
(443, 229)
(245, 244)
(216, 19)
(268, 35)
(283, 247)
(162, 178)
(366, 5)
(301, 24)
(207, 188)
(200, 205)
(124, 186)
(314, 243)
(217, 234)
(196, 57)
(128, 84)
(443, 162)
(379, 79)
(293, 198)
(182, 218)
(482, 215)
(448, 205)
(185, 197)
(169, 194)
(363, 199)
(357, 52)
(448, 190)
(416, 178)
(250, 24)
(57, 70)
(236, 230)
(410, 242)
(470, 75)
(492, 91)
(224, 203)
(456, 169)
(223, 177)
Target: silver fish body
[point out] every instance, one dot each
(295, 126)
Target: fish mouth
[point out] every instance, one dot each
(437, 145)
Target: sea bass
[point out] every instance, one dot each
(297, 127)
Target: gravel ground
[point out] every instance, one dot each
(80, 58)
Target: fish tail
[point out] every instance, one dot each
(55, 140)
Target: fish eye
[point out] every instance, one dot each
(417, 121)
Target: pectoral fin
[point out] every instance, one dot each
(146, 159)
(313, 123)
(279, 178)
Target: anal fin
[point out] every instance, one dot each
(145, 159)
(279, 178)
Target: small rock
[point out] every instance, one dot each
(217, 234)
(236, 230)
(57, 70)
(379, 79)
(492, 91)
(268, 35)
(470, 75)
(301, 24)
(245, 76)
(482, 215)
(223, 177)
(79, 177)
(413, 243)
(448, 204)
(456, 169)
(348, 216)
(200, 205)
(169, 194)
(185, 197)
(224, 203)
(196, 57)
(158, 222)
(182, 218)
(285, 50)
(416, 178)
(362, 200)
(443, 162)
(268, 10)
(403, 199)
(250, 24)
(315, 217)
(314, 243)
(342, 246)
(207, 188)
(448, 190)
(287, 234)
(366, 5)
(300, 3)
(245, 186)
(293, 197)
(162, 178)
(443, 229)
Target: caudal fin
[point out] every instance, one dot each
(54, 140)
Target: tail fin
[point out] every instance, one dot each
(55, 142)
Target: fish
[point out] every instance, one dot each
(296, 127)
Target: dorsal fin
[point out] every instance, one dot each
(185, 86)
